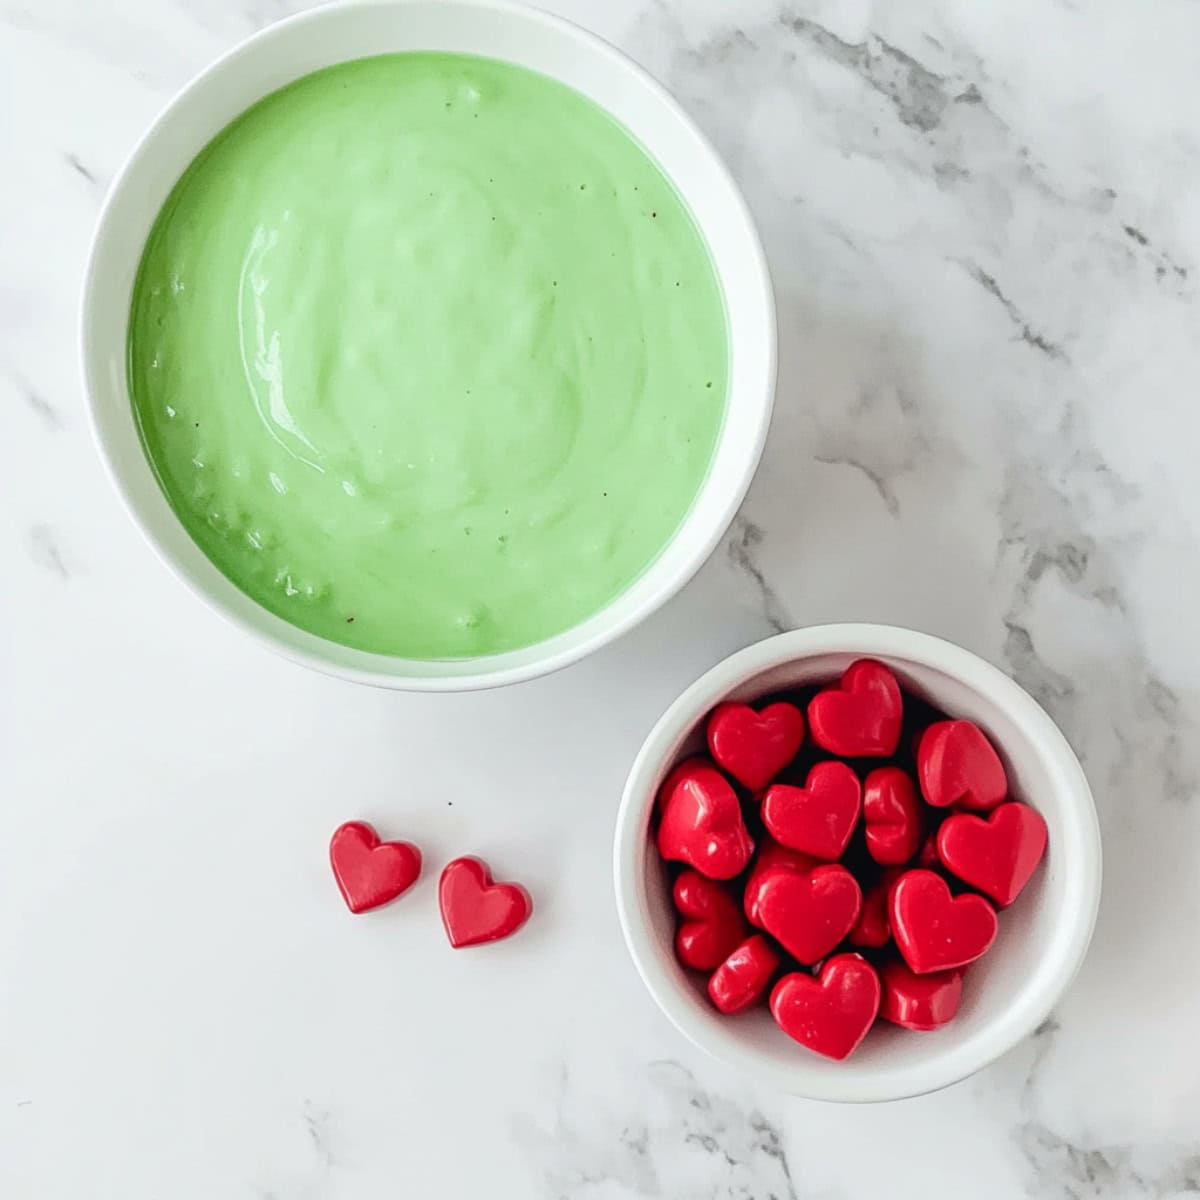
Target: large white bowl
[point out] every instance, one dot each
(533, 39)
(1043, 936)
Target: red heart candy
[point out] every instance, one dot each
(743, 977)
(996, 854)
(474, 909)
(755, 746)
(919, 1001)
(701, 822)
(807, 914)
(832, 1013)
(716, 926)
(772, 854)
(956, 764)
(370, 872)
(892, 816)
(934, 930)
(818, 818)
(872, 929)
(860, 717)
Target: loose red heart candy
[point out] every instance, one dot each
(818, 818)
(920, 1002)
(474, 908)
(872, 929)
(934, 930)
(832, 1013)
(772, 854)
(755, 746)
(956, 764)
(701, 822)
(715, 925)
(370, 872)
(996, 854)
(861, 717)
(891, 816)
(807, 914)
(743, 977)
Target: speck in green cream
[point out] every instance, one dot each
(428, 355)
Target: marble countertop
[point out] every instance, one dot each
(983, 224)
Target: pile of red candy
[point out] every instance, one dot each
(856, 866)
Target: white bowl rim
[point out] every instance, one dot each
(859, 640)
(298, 645)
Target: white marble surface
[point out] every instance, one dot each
(983, 223)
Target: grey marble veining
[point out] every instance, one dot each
(983, 226)
(677, 1138)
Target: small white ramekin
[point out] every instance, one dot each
(529, 38)
(1043, 936)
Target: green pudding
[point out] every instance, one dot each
(428, 355)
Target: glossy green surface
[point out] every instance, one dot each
(428, 355)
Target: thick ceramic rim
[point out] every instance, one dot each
(464, 674)
(1081, 847)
